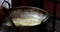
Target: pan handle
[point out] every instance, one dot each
(7, 3)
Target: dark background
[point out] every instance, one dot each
(38, 3)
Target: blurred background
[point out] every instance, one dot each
(46, 5)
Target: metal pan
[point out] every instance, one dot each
(28, 12)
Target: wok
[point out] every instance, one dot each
(23, 15)
(26, 12)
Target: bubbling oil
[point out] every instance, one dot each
(27, 21)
